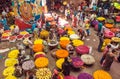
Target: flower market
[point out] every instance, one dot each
(59, 39)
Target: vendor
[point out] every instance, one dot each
(30, 75)
(118, 34)
(16, 30)
(70, 48)
(18, 70)
(66, 66)
(82, 33)
(4, 22)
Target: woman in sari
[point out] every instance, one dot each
(108, 60)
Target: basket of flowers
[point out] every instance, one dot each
(12, 38)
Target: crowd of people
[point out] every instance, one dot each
(82, 19)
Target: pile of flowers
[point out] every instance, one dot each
(62, 53)
(64, 43)
(64, 38)
(44, 34)
(41, 62)
(59, 63)
(70, 32)
(43, 73)
(77, 42)
(101, 74)
(8, 72)
(38, 41)
(38, 47)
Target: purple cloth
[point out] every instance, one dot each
(70, 77)
(77, 62)
(82, 49)
(85, 76)
(94, 22)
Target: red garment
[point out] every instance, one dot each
(106, 50)
(118, 18)
(21, 24)
(57, 6)
(75, 22)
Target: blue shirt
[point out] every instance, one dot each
(32, 1)
(94, 7)
(34, 26)
(4, 22)
(100, 26)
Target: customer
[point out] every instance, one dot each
(100, 25)
(108, 60)
(87, 28)
(101, 39)
(81, 33)
(106, 50)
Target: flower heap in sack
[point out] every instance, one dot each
(64, 41)
(101, 74)
(44, 34)
(9, 64)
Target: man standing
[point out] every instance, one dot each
(101, 39)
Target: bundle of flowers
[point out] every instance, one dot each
(109, 25)
(107, 41)
(64, 38)
(116, 39)
(70, 32)
(62, 53)
(9, 71)
(10, 62)
(13, 53)
(100, 18)
(10, 77)
(74, 37)
(101, 74)
(44, 34)
(24, 33)
(68, 28)
(77, 42)
(38, 41)
(84, 76)
(64, 43)
(43, 73)
(38, 48)
(41, 62)
(59, 63)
